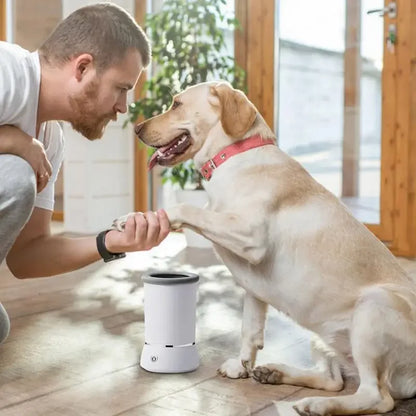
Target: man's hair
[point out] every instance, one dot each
(104, 30)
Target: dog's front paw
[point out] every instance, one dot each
(175, 216)
(311, 406)
(233, 368)
(120, 223)
(266, 375)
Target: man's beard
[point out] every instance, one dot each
(85, 119)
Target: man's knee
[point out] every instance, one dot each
(17, 189)
(4, 324)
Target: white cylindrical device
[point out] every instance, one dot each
(169, 318)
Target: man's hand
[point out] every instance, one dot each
(17, 142)
(34, 153)
(142, 232)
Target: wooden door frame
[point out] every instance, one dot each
(398, 173)
(141, 179)
(385, 230)
(3, 20)
(254, 52)
(404, 211)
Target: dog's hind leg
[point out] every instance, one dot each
(254, 317)
(325, 374)
(369, 350)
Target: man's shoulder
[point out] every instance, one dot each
(11, 51)
(14, 59)
(19, 86)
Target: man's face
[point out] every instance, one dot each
(103, 96)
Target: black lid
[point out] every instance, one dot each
(170, 278)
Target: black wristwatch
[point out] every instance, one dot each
(104, 253)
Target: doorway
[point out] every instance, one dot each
(335, 60)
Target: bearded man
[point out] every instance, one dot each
(81, 74)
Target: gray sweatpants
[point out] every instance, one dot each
(17, 197)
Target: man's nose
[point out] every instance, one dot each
(139, 128)
(121, 107)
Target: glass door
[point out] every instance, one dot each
(332, 55)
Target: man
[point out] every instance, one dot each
(81, 74)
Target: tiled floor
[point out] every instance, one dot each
(76, 341)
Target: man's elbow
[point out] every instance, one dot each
(16, 269)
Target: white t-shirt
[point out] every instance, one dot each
(19, 95)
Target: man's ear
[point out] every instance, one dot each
(237, 112)
(82, 64)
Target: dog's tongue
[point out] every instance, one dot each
(153, 161)
(157, 153)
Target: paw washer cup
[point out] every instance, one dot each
(169, 317)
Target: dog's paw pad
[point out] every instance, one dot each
(265, 375)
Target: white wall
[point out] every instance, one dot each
(99, 185)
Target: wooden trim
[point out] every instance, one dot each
(398, 202)
(400, 240)
(411, 223)
(258, 35)
(58, 216)
(352, 87)
(141, 200)
(388, 139)
(3, 20)
(374, 228)
(404, 239)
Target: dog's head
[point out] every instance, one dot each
(205, 115)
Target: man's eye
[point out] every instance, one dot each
(175, 104)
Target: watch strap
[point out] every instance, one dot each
(102, 249)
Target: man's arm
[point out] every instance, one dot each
(16, 142)
(38, 253)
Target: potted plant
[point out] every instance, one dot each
(189, 47)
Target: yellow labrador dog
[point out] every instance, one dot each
(291, 244)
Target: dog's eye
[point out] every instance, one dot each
(176, 104)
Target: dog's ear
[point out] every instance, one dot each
(237, 112)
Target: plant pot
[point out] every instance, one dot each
(198, 198)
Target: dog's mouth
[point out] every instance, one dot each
(165, 155)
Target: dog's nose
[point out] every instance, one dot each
(138, 128)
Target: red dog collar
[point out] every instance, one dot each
(231, 150)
